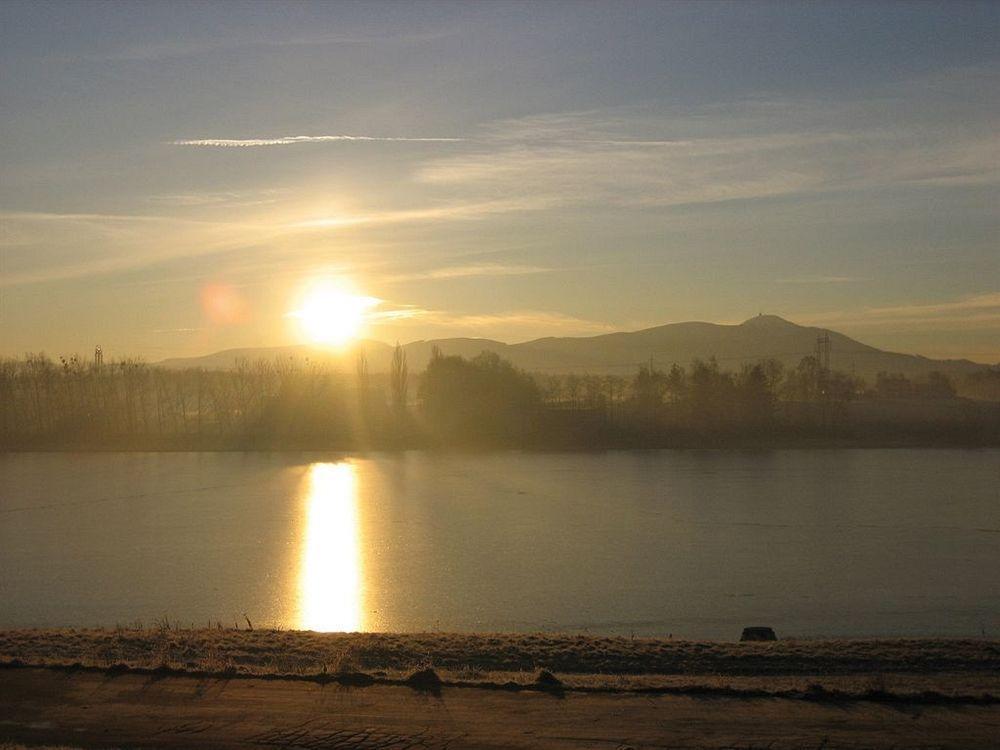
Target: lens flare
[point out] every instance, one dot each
(223, 305)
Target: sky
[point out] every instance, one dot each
(176, 176)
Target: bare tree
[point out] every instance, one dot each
(364, 381)
(399, 381)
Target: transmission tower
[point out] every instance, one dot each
(822, 368)
(823, 351)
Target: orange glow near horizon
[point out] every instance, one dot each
(330, 575)
(330, 313)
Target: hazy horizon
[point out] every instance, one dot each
(350, 348)
(334, 351)
(179, 178)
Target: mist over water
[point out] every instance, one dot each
(689, 543)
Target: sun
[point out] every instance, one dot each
(329, 314)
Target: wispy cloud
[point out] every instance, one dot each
(387, 313)
(656, 156)
(822, 280)
(976, 311)
(292, 140)
(110, 220)
(192, 47)
(453, 210)
(52, 246)
(545, 321)
(96, 218)
(514, 325)
(217, 198)
(74, 245)
(638, 158)
(469, 271)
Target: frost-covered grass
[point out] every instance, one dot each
(856, 665)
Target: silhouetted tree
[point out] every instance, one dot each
(74, 402)
(802, 383)
(399, 381)
(676, 383)
(648, 388)
(572, 385)
(710, 394)
(893, 385)
(755, 398)
(363, 381)
(595, 394)
(774, 373)
(984, 384)
(939, 386)
(483, 398)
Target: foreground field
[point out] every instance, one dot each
(137, 711)
(134, 688)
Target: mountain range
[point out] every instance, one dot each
(761, 337)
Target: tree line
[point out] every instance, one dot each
(455, 401)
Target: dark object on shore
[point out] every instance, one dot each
(545, 677)
(758, 634)
(425, 680)
(549, 683)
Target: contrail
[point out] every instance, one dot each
(290, 140)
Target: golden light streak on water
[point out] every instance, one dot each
(330, 572)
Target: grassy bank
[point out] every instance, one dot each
(969, 666)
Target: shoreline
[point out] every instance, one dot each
(428, 680)
(291, 689)
(133, 446)
(273, 652)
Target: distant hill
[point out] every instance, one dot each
(379, 355)
(762, 337)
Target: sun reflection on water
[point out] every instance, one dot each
(330, 571)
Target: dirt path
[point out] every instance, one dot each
(97, 710)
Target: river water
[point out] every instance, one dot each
(652, 543)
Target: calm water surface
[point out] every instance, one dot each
(690, 543)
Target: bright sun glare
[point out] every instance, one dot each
(329, 314)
